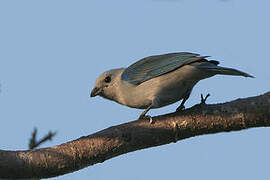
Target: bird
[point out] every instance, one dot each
(159, 80)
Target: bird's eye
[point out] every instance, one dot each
(107, 79)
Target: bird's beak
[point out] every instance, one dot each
(95, 92)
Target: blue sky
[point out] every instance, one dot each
(51, 52)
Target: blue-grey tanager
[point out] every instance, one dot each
(157, 81)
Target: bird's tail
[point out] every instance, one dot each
(225, 71)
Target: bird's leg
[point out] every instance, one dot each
(203, 100)
(142, 116)
(144, 112)
(181, 107)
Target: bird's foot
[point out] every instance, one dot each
(151, 121)
(203, 100)
(180, 108)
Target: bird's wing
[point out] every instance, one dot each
(153, 66)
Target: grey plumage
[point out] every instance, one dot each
(157, 81)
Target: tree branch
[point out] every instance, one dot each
(33, 143)
(98, 147)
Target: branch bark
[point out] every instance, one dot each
(114, 141)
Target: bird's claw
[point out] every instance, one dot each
(151, 121)
(203, 100)
(180, 108)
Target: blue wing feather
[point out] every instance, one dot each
(153, 66)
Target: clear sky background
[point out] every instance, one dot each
(51, 52)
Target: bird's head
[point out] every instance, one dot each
(107, 83)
